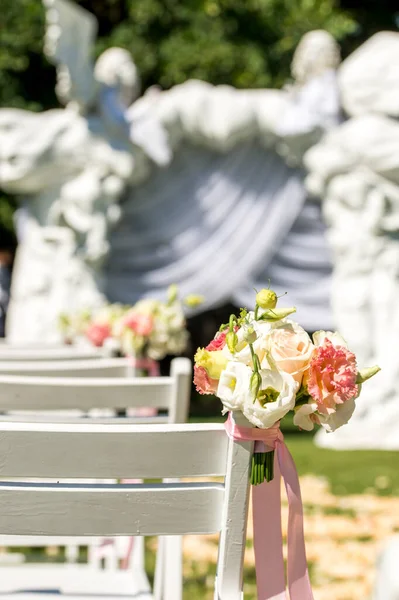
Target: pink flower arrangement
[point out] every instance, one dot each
(97, 333)
(265, 365)
(141, 324)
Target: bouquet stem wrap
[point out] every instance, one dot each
(266, 505)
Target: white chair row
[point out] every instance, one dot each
(80, 387)
(88, 450)
(40, 393)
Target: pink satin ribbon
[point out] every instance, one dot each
(266, 508)
(148, 364)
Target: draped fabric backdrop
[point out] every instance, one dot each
(223, 222)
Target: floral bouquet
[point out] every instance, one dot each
(150, 329)
(153, 329)
(264, 365)
(73, 326)
(94, 326)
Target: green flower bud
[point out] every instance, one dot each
(255, 383)
(249, 334)
(243, 316)
(365, 374)
(64, 322)
(276, 314)
(173, 291)
(266, 298)
(232, 341)
(193, 300)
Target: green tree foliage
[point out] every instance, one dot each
(245, 43)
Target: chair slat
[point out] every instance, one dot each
(32, 541)
(103, 367)
(41, 393)
(89, 450)
(61, 353)
(29, 509)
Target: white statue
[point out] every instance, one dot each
(355, 169)
(71, 167)
(228, 212)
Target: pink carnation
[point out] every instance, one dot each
(203, 383)
(97, 333)
(218, 342)
(331, 377)
(139, 323)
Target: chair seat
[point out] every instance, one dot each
(75, 580)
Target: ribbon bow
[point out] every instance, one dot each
(266, 507)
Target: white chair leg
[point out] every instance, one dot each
(173, 565)
(168, 579)
(138, 554)
(71, 553)
(159, 574)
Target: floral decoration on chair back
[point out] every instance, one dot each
(264, 364)
(148, 331)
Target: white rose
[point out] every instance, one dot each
(289, 348)
(233, 385)
(275, 398)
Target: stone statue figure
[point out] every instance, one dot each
(199, 185)
(355, 169)
(70, 167)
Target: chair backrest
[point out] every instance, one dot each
(89, 450)
(102, 367)
(5, 343)
(171, 394)
(10, 353)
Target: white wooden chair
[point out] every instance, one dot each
(102, 367)
(10, 353)
(6, 343)
(40, 393)
(88, 450)
(56, 398)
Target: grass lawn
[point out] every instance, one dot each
(348, 472)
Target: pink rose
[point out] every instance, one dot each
(331, 378)
(291, 349)
(139, 323)
(97, 333)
